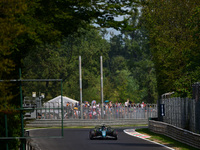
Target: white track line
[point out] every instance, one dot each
(142, 137)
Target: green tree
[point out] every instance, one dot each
(171, 44)
(63, 62)
(130, 51)
(25, 24)
(140, 63)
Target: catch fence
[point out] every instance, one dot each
(182, 112)
(109, 113)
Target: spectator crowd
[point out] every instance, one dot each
(94, 110)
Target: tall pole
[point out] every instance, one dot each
(21, 112)
(80, 81)
(62, 109)
(101, 69)
(6, 128)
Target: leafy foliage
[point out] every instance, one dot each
(12, 130)
(121, 80)
(172, 45)
(131, 52)
(63, 62)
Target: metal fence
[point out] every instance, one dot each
(182, 112)
(109, 113)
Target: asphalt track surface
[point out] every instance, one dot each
(78, 139)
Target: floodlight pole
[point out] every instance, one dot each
(101, 69)
(80, 81)
(62, 110)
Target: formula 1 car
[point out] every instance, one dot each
(103, 132)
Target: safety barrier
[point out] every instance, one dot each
(179, 134)
(91, 122)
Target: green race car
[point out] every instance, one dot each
(103, 132)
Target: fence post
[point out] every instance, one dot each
(101, 71)
(197, 117)
(158, 109)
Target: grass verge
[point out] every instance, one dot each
(162, 139)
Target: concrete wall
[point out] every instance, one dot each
(179, 134)
(79, 122)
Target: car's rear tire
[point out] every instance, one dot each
(91, 135)
(115, 135)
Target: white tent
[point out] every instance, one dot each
(56, 102)
(54, 105)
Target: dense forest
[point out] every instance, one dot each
(157, 50)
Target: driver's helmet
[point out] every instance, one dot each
(103, 127)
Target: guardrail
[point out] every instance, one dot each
(179, 134)
(92, 122)
(32, 145)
